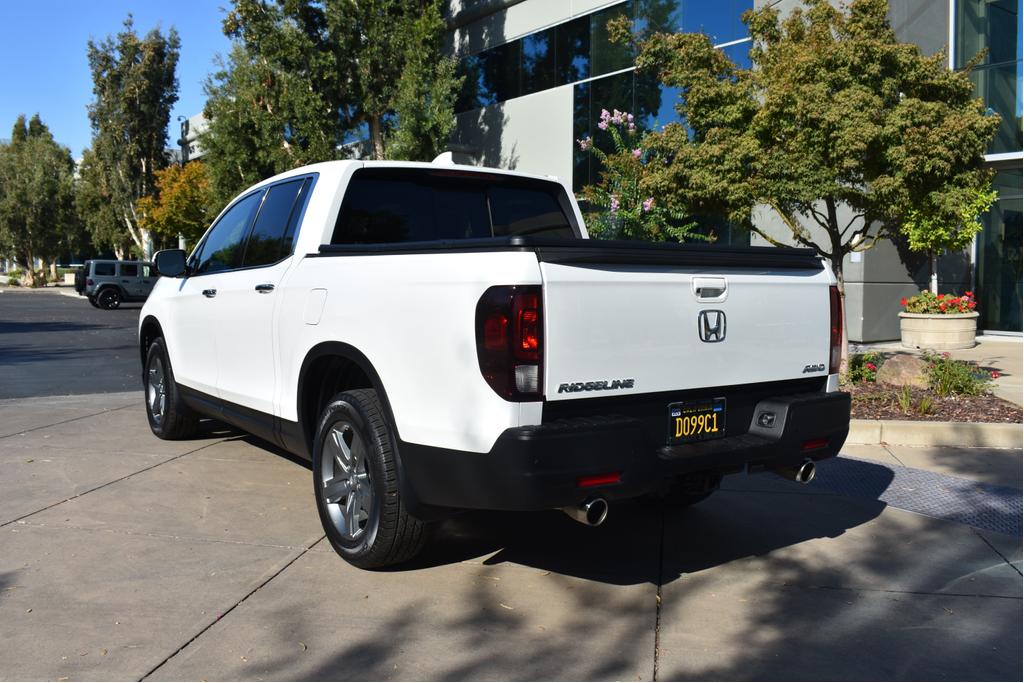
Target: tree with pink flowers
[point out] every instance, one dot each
(619, 205)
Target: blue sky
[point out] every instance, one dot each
(43, 65)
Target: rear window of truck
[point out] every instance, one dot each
(416, 205)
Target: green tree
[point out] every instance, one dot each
(424, 101)
(838, 129)
(37, 216)
(181, 205)
(135, 87)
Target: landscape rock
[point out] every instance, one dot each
(904, 370)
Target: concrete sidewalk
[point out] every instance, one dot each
(126, 557)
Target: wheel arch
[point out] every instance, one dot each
(333, 367)
(149, 330)
(329, 368)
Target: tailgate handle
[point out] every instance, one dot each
(710, 289)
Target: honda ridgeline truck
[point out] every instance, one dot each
(437, 338)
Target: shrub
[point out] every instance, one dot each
(863, 367)
(926, 302)
(948, 377)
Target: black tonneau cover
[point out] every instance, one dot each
(601, 252)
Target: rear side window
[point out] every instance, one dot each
(102, 269)
(129, 270)
(413, 205)
(222, 249)
(270, 240)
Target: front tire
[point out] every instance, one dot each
(109, 299)
(169, 418)
(355, 481)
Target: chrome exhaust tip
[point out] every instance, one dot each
(592, 512)
(802, 474)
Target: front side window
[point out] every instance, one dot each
(222, 249)
(270, 240)
(384, 206)
(129, 270)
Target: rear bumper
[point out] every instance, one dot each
(539, 467)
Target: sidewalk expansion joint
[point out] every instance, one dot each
(231, 609)
(657, 597)
(996, 551)
(72, 419)
(893, 591)
(102, 486)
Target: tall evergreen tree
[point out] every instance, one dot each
(37, 214)
(306, 76)
(135, 87)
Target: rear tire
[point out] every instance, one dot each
(109, 299)
(356, 484)
(169, 417)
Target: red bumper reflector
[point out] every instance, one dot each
(814, 444)
(599, 480)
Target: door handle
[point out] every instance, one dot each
(266, 288)
(209, 293)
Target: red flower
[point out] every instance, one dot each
(903, 301)
(871, 366)
(971, 305)
(968, 293)
(945, 354)
(942, 306)
(940, 297)
(995, 375)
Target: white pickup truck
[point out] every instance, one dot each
(437, 338)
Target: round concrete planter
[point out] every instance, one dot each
(940, 332)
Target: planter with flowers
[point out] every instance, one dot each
(939, 321)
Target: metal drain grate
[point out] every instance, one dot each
(984, 506)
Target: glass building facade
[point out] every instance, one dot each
(528, 98)
(989, 31)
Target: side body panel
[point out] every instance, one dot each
(413, 317)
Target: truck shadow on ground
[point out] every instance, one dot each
(752, 516)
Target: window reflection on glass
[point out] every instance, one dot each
(572, 51)
(538, 61)
(719, 19)
(606, 56)
(999, 257)
(994, 26)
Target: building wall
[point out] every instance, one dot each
(531, 134)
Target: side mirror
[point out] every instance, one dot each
(170, 262)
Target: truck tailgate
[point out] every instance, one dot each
(674, 327)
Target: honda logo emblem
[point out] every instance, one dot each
(711, 326)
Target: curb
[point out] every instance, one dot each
(920, 433)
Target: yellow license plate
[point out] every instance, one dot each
(696, 420)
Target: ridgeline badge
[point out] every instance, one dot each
(603, 385)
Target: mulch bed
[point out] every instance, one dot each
(872, 401)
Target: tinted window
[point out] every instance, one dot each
(103, 269)
(400, 205)
(267, 242)
(223, 246)
(539, 61)
(129, 270)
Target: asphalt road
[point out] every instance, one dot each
(56, 345)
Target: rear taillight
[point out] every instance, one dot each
(510, 341)
(835, 336)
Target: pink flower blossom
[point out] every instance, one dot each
(632, 127)
(648, 204)
(614, 204)
(637, 152)
(995, 375)
(603, 125)
(585, 144)
(605, 115)
(629, 117)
